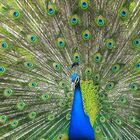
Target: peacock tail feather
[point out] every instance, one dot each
(41, 39)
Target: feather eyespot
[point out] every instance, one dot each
(115, 68)
(15, 14)
(2, 69)
(110, 44)
(100, 21)
(136, 43)
(61, 42)
(84, 4)
(110, 85)
(8, 92)
(4, 45)
(86, 35)
(21, 105)
(52, 10)
(74, 20)
(45, 97)
(32, 115)
(57, 67)
(14, 124)
(97, 58)
(123, 13)
(3, 119)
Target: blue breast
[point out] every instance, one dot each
(80, 127)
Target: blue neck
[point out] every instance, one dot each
(80, 127)
(77, 108)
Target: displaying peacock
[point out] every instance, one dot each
(69, 69)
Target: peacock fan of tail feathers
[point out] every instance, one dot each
(44, 42)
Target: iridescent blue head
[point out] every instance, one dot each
(75, 79)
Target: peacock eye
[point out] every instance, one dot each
(136, 43)
(115, 68)
(62, 103)
(77, 57)
(109, 106)
(51, 117)
(16, 14)
(62, 84)
(100, 21)
(118, 121)
(74, 20)
(137, 65)
(33, 84)
(84, 4)
(45, 97)
(98, 129)
(61, 42)
(2, 69)
(20, 105)
(74, 77)
(70, 95)
(123, 13)
(4, 45)
(28, 64)
(32, 115)
(110, 44)
(33, 38)
(97, 58)
(132, 119)
(102, 119)
(14, 124)
(57, 67)
(110, 86)
(102, 94)
(122, 100)
(96, 77)
(133, 86)
(60, 137)
(86, 35)
(88, 71)
(51, 9)
(3, 119)
(8, 92)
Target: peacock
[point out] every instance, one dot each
(69, 69)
